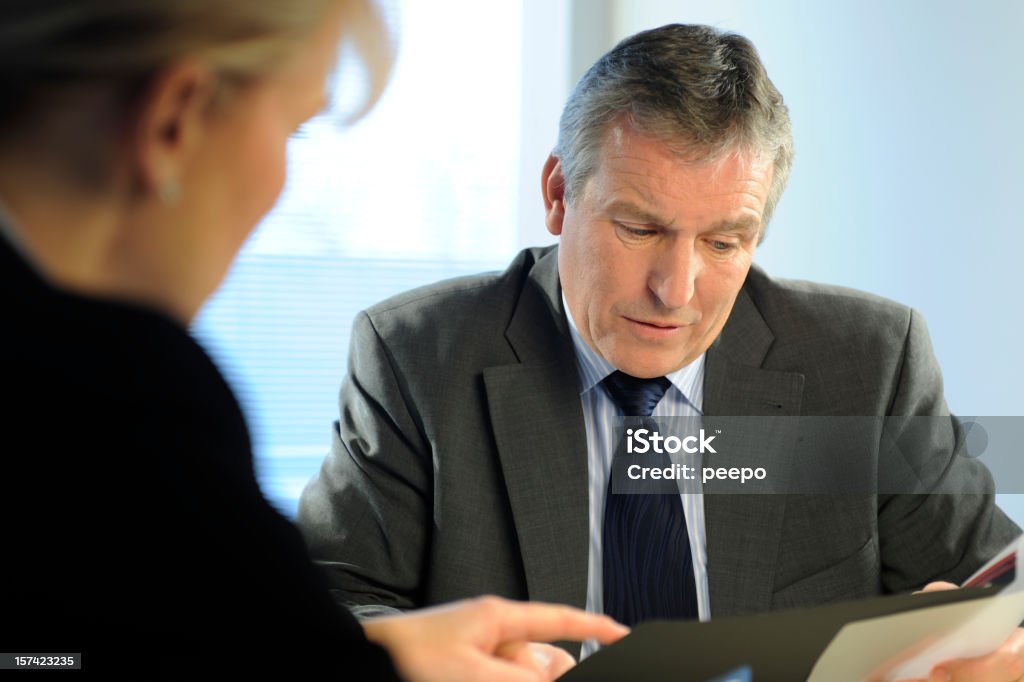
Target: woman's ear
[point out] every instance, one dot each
(168, 125)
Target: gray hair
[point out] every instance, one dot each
(702, 91)
(52, 46)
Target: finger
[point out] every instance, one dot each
(938, 586)
(522, 654)
(1015, 643)
(1005, 664)
(554, 662)
(546, 661)
(495, 669)
(999, 666)
(547, 622)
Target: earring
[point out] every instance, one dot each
(170, 192)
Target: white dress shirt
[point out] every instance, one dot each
(684, 398)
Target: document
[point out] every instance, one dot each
(901, 634)
(908, 644)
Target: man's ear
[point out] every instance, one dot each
(553, 188)
(168, 125)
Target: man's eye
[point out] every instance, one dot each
(637, 232)
(720, 247)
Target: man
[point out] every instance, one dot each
(475, 434)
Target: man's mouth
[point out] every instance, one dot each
(655, 325)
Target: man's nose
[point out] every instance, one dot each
(675, 271)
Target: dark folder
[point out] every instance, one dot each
(781, 646)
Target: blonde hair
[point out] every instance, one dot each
(50, 45)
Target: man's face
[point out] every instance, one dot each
(654, 250)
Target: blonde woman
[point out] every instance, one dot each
(140, 142)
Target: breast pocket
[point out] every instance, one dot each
(855, 577)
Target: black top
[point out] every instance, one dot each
(133, 527)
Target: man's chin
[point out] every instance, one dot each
(647, 365)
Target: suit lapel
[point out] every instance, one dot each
(538, 425)
(743, 531)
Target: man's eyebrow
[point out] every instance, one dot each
(622, 206)
(748, 225)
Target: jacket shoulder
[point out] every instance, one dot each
(828, 313)
(475, 306)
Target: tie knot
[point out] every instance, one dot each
(635, 397)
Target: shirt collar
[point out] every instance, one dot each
(593, 368)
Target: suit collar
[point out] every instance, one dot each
(736, 381)
(537, 330)
(538, 426)
(743, 531)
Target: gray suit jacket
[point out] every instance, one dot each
(458, 466)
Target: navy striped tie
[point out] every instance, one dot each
(647, 568)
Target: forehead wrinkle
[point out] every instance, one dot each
(641, 184)
(648, 201)
(628, 173)
(641, 177)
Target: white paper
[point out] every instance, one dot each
(907, 645)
